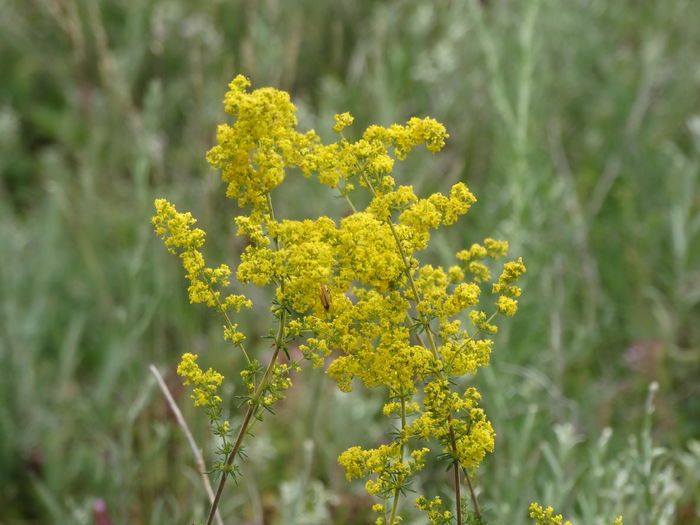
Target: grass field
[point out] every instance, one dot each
(577, 126)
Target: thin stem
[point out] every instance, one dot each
(222, 311)
(229, 460)
(420, 339)
(458, 495)
(254, 402)
(414, 290)
(397, 492)
(344, 191)
(475, 502)
(394, 507)
(409, 275)
(347, 199)
(252, 407)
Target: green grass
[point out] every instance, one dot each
(576, 124)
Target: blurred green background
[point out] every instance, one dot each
(576, 124)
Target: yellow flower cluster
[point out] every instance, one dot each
(342, 121)
(547, 516)
(449, 414)
(511, 272)
(355, 288)
(437, 514)
(176, 230)
(253, 153)
(375, 341)
(385, 464)
(207, 383)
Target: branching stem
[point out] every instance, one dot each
(433, 349)
(255, 400)
(223, 312)
(397, 491)
(253, 405)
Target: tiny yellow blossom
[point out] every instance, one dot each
(207, 383)
(475, 252)
(455, 274)
(511, 272)
(224, 428)
(342, 121)
(506, 305)
(496, 249)
(479, 270)
(545, 516)
(480, 321)
(391, 409)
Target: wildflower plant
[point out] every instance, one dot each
(354, 295)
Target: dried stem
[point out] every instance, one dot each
(188, 435)
(475, 502)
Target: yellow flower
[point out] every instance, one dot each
(354, 288)
(342, 121)
(545, 516)
(207, 383)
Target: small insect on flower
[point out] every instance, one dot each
(325, 296)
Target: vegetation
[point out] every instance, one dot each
(576, 126)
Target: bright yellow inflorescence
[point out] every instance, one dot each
(182, 239)
(546, 516)
(354, 288)
(437, 514)
(207, 383)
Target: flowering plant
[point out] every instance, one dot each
(352, 294)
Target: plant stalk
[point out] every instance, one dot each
(433, 349)
(252, 407)
(475, 502)
(397, 492)
(255, 399)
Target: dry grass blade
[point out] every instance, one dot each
(190, 439)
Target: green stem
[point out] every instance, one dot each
(223, 312)
(407, 271)
(458, 495)
(346, 195)
(397, 491)
(255, 400)
(352, 206)
(252, 408)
